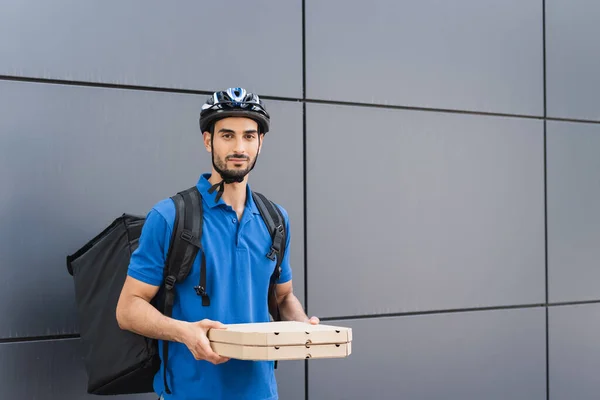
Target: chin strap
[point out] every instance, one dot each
(221, 186)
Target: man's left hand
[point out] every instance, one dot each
(313, 321)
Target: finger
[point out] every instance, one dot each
(209, 353)
(314, 320)
(213, 324)
(212, 357)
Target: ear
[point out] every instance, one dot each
(207, 135)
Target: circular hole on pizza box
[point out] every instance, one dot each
(277, 333)
(308, 356)
(337, 345)
(336, 331)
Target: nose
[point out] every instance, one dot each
(239, 146)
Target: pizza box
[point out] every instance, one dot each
(280, 333)
(281, 340)
(273, 353)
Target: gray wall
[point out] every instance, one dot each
(439, 161)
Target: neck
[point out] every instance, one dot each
(234, 194)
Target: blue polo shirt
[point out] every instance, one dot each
(237, 277)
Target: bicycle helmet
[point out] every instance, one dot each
(234, 102)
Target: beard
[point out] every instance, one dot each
(233, 174)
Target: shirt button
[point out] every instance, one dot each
(234, 220)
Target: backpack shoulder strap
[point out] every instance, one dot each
(186, 236)
(186, 240)
(275, 222)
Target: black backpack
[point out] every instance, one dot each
(122, 362)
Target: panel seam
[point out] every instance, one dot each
(294, 99)
(304, 181)
(47, 338)
(459, 310)
(547, 308)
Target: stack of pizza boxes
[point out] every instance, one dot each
(282, 340)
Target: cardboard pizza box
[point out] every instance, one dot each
(282, 340)
(273, 353)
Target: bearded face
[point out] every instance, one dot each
(235, 147)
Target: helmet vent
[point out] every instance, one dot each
(236, 94)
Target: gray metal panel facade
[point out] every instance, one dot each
(573, 211)
(74, 158)
(479, 55)
(54, 369)
(195, 45)
(492, 355)
(408, 211)
(414, 211)
(290, 380)
(48, 370)
(572, 59)
(574, 352)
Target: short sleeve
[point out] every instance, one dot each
(148, 260)
(286, 269)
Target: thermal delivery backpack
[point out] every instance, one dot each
(122, 362)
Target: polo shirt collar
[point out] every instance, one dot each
(204, 185)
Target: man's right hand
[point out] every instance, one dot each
(197, 341)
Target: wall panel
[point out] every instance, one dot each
(574, 352)
(572, 62)
(492, 355)
(48, 370)
(573, 211)
(413, 211)
(479, 55)
(196, 45)
(74, 158)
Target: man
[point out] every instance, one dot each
(235, 241)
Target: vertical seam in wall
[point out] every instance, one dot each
(546, 201)
(304, 159)
(304, 181)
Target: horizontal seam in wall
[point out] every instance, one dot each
(26, 339)
(291, 99)
(457, 310)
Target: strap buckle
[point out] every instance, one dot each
(272, 253)
(277, 243)
(170, 282)
(200, 291)
(186, 235)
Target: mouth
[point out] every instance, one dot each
(237, 160)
